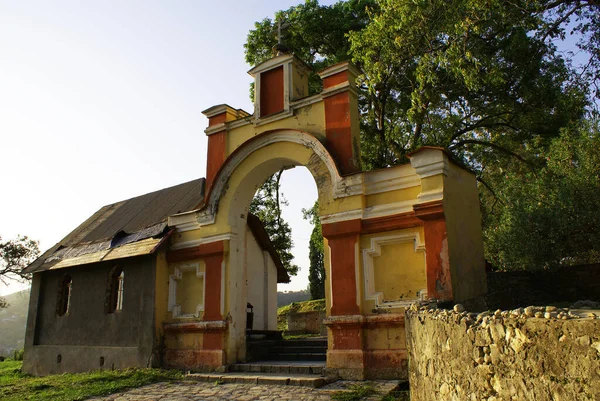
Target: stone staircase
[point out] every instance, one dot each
(273, 360)
(305, 349)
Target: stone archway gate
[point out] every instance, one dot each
(392, 236)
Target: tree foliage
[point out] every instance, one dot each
(266, 205)
(549, 217)
(15, 255)
(462, 74)
(316, 250)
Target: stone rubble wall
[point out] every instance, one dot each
(531, 354)
(307, 322)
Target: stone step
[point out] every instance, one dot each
(306, 368)
(279, 379)
(297, 357)
(299, 350)
(305, 342)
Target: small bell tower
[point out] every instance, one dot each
(278, 82)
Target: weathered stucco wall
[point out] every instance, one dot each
(87, 337)
(503, 355)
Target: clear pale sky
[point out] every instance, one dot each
(101, 101)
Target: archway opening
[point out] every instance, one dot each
(243, 183)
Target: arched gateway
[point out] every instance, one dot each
(392, 236)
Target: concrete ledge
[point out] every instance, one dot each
(196, 327)
(261, 379)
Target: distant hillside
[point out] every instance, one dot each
(286, 298)
(13, 320)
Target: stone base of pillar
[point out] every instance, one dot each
(196, 360)
(347, 364)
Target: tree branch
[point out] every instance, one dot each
(489, 144)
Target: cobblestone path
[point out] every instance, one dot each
(193, 391)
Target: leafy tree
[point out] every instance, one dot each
(316, 272)
(464, 75)
(579, 18)
(549, 217)
(266, 205)
(15, 255)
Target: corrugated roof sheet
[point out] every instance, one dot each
(122, 228)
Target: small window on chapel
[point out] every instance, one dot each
(64, 296)
(115, 290)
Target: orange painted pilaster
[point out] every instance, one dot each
(342, 238)
(341, 116)
(218, 116)
(439, 278)
(215, 156)
(271, 92)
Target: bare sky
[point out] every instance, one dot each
(101, 101)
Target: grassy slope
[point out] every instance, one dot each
(15, 386)
(296, 307)
(12, 322)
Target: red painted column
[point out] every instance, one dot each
(218, 116)
(213, 340)
(439, 279)
(341, 116)
(342, 238)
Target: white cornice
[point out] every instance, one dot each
(349, 185)
(219, 109)
(339, 67)
(183, 219)
(390, 179)
(307, 101)
(258, 121)
(213, 129)
(202, 241)
(389, 209)
(339, 88)
(430, 162)
(271, 63)
(342, 216)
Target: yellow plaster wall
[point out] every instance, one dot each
(190, 290)
(309, 119)
(191, 341)
(399, 272)
(400, 195)
(465, 240)
(161, 292)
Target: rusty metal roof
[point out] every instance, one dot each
(128, 228)
(137, 226)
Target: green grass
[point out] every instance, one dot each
(397, 395)
(300, 336)
(297, 307)
(355, 392)
(16, 386)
